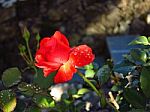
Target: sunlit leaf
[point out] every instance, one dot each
(89, 66)
(7, 100)
(140, 40)
(43, 100)
(83, 91)
(89, 73)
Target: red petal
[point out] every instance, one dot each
(53, 51)
(61, 37)
(45, 42)
(41, 62)
(65, 73)
(59, 53)
(81, 55)
(48, 65)
(47, 71)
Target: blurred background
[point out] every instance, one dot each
(82, 21)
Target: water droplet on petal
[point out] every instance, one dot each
(75, 53)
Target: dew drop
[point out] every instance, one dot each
(75, 53)
(86, 50)
(82, 52)
(78, 49)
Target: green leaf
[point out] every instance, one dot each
(7, 100)
(89, 73)
(140, 40)
(89, 66)
(149, 39)
(44, 82)
(29, 89)
(11, 77)
(139, 55)
(82, 91)
(134, 98)
(103, 74)
(43, 100)
(26, 34)
(145, 81)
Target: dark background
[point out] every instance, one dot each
(82, 21)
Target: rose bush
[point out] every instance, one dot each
(121, 87)
(55, 53)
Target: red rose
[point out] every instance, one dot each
(55, 54)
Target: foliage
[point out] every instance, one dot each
(133, 87)
(127, 84)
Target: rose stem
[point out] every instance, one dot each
(99, 93)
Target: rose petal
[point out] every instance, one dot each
(48, 65)
(61, 37)
(59, 53)
(42, 63)
(39, 58)
(54, 51)
(46, 42)
(81, 55)
(65, 73)
(47, 71)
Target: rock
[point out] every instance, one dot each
(137, 26)
(123, 27)
(95, 18)
(8, 30)
(7, 13)
(27, 8)
(148, 19)
(7, 3)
